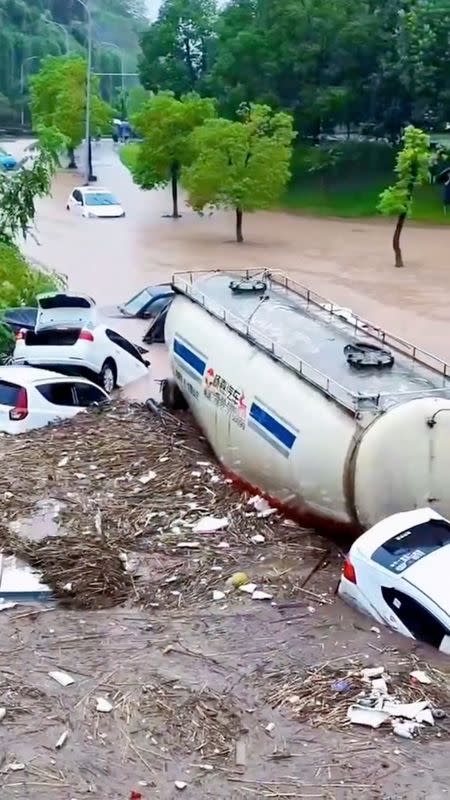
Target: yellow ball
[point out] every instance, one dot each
(239, 579)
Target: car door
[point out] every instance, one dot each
(130, 364)
(154, 306)
(59, 399)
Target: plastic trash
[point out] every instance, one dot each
(420, 676)
(210, 524)
(407, 730)
(260, 595)
(217, 595)
(103, 706)
(372, 672)
(2, 714)
(180, 785)
(341, 686)
(248, 588)
(372, 717)
(63, 678)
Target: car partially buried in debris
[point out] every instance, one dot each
(32, 398)
(68, 337)
(398, 573)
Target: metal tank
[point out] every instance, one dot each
(328, 416)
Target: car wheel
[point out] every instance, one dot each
(108, 376)
(172, 397)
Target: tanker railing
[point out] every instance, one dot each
(254, 335)
(326, 307)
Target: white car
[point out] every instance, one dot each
(398, 572)
(31, 398)
(68, 338)
(94, 202)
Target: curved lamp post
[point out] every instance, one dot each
(22, 85)
(61, 27)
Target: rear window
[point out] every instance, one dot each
(9, 393)
(53, 336)
(412, 545)
(64, 301)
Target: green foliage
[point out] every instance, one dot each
(370, 65)
(242, 165)
(19, 190)
(20, 282)
(175, 49)
(58, 99)
(136, 99)
(27, 28)
(412, 169)
(166, 124)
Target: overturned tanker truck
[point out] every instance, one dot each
(330, 418)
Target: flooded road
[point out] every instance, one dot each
(349, 262)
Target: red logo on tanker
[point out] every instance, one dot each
(222, 393)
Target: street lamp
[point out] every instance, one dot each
(62, 27)
(22, 86)
(122, 62)
(89, 175)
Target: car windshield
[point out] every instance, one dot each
(410, 546)
(100, 199)
(138, 302)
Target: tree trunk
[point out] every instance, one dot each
(174, 172)
(71, 157)
(396, 240)
(239, 236)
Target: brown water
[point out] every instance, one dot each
(348, 261)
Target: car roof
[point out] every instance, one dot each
(389, 527)
(31, 375)
(92, 189)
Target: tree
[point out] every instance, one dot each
(412, 169)
(242, 165)
(58, 100)
(20, 282)
(166, 125)
(175, 49)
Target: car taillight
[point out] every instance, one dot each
(20, 335)
(20, 410)
(349, 571)
(86, 336)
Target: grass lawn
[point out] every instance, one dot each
(351, 198)
(128, 154)
(354, 199)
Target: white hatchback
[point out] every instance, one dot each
(32, 398)
(94, 202)
(68, 338)
(398, 573)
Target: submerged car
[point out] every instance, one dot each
(94, 202)
(8, 162)
(148, 303)
(32, 398)
(67, 337)
(398, 574)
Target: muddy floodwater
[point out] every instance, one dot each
(184, 683)
(348, 261)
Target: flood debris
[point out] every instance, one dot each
(62, 740)
(366, 696)
(121, 500)
(2, 714)
(19, 583)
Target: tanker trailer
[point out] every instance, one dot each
(329, 417)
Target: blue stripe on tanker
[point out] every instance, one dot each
(272, 429)
(189, 357)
